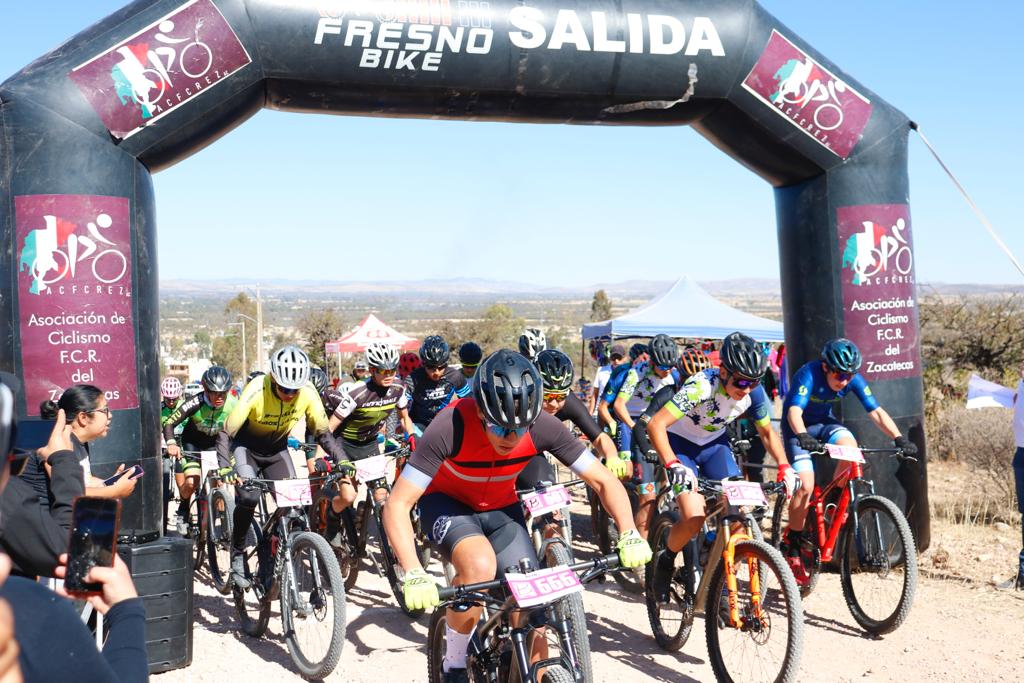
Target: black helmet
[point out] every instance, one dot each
(216, 378)
(531, 342)
(743, 356)
(508, 390)
(471, 354)
(663, 350)
(841, 355)
(319, 379)
(434, 351)
(253, 375)
(555, 370)
(636, 350)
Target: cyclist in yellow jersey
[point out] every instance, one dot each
(254, 441)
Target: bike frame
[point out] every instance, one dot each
(828, 537)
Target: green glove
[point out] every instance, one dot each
(228, 474)
(617, 466)
(612, 428)
(346, 467)
(419, 590)
(633, 549)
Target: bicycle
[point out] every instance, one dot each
(499, 651)
(753, 615)
(355, 527)
(289, 563)
(875, 545)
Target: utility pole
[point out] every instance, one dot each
(259, 330)
(245, 364)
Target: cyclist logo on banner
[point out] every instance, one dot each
(57, 251)
(878, 251)
(161, 68)
(809, 96)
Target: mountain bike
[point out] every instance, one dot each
(500, 647)
(753, 616)
(289, 563)
(876, 550)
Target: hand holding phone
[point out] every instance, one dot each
(94, 526)
(136, 472)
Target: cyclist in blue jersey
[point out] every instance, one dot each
(434, 384)
(808, 422)
(619, 370)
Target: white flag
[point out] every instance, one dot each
(984, 394)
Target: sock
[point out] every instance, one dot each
(455, 654)
(183, 508)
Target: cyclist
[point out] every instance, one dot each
(689, 434)
(470, 355)
(170, 395)
(357, 418)
(202, 416)
(531, 342)
(637, 353)
(433, 385)
(599, 354)
(641, 383)
(463, 473)
(360, 371)
(808, 422)
(691, 361)
(254, 440)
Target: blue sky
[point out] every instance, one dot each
(289, 195)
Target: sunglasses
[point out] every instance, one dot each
(503, 433)
(385, 372)
(664, 368)
(841, 376)
(105, 410)
(436, 368)
(743, 382)
(555, 396)
(287, 392)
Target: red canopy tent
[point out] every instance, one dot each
(371, 330)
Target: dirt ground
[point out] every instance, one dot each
(961, 627)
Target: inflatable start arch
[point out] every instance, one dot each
(85, 126)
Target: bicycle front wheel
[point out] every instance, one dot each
(313, 606)
(437, 645)
(630, 580)
(252, 604)
(764, 641)
(878, 567)
(671, 619)
(220, 510)
(570, 609)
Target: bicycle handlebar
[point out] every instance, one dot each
(543, 486)
(591, 569)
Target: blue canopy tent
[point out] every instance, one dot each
(686, 311)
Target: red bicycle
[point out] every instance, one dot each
(876, 551)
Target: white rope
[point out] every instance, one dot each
(974, 207)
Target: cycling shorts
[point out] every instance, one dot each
(826, 431)
(360, 451)
(189, 465)
(713, 460)
(623, 437)
(447, 522)
(536, 471)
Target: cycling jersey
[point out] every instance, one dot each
(455, 458)
(427, 397)
(641, 384)
(702, 408)
(809, 391)
(574, 411)
(615, 382)
(365, 408)
(202, 422)
(166, 412)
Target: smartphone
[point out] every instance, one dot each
(94, 527)
(136, 472)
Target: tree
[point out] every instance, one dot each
(204, 341)
(227, 349)
(317, 328)
(497, 327)
(600, 307)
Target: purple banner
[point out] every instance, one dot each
(879, 308)
(75, 297)
(809, 96)
(161, 67)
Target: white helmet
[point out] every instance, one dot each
(289, 366)
(382, 356)
(170, 387)
(532, 342)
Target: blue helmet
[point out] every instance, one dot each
(841, 355)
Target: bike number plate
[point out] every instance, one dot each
(552, 498)
(290, 493)
(208, 461)
(740, 493)
(848, 453)
(543, 586)
(370, 469)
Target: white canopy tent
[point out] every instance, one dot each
(686, 311)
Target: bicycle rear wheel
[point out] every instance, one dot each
(423, 550)
(345, 553)
(252, 604)
(878, 566)
(671, 620)
(570, 609)
(780, 523)
(220, 510)
(313, 607)
(766, 643)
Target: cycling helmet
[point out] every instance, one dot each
(254, 374)
(841, 355)
(360, 365)
(216, 378)
(434, 351)
(692, 360)
(382, 356)
(470, 354)
(636, 350)
(663, 350)
(346, 387)
(289, 367)
(532, 342)
(743, 356)
(319, 379)
(555, 370)
(170, 387)
(408, 362)
(508, 390)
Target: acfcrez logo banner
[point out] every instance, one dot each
(160, 68)
(809, 96)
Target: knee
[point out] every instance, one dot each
(347, 494)
(478, 567)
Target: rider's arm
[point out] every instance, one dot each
(795, 416)
(603, 414)
(626, 393)
(612, 494)
(760, 414)
(407, 425)
(184, 411)
(884, 422)
(694, 390)
(576, 412)
(860, 388)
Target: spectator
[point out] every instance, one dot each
(360, 371)
(1018, 470)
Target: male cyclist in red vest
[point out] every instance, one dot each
(463, 476)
